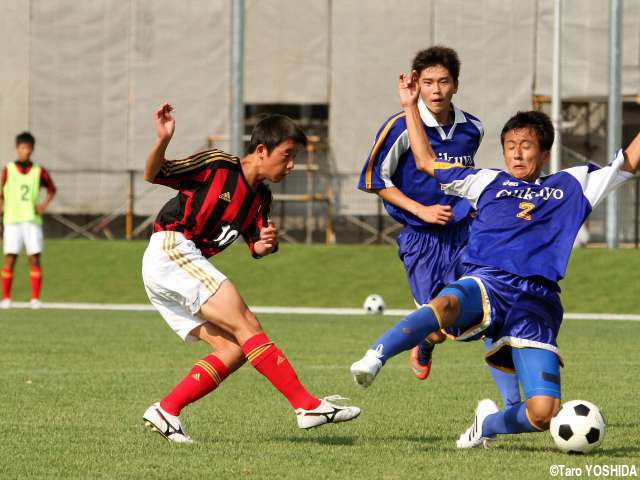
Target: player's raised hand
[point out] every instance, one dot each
(408, 89)
(438, 214)
(164, 122)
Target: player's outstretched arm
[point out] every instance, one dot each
(165, 125)
(409, 93)
(632, 156)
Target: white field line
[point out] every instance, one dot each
(133, 307)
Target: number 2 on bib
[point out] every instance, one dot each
(525, 210)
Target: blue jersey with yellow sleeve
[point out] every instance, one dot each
(392, 164)
(528, 228)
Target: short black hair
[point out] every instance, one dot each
(25, 137)
(539, 122)
(437, 55)
(272, 130)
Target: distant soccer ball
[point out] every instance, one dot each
(578, 427)
(373, 305)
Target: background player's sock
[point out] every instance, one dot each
(7, 280)
(203, 378)
(36, 281)
(507, 383)
(407, 333)
(510, 420)
(271, 362)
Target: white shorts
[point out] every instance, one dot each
(23, 234)
(178, 281)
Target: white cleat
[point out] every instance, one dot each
(364, 371)
(326, 412)
(167, 425)
(5, 304)
(473, 438)
(35, 304)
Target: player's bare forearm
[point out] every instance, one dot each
(156, 159)
(420, 146)
(437, 214)
(395, 197)
(632, 156)
(165, 125)
(42, 206)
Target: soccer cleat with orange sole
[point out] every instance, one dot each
(419, 370)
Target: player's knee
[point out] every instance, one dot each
(447, 308)
(540, 410)
(436, 337)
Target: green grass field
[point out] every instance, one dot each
(74, 384)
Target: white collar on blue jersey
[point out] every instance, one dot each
(430, 121)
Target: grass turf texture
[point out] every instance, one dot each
(598, 281)
(75, 384)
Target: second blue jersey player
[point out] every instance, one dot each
(436, 226)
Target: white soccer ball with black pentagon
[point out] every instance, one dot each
(374, 305)
(578, 427)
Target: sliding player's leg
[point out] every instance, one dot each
(539, 372)
(228, 310)
(459, 306)
(203, 378)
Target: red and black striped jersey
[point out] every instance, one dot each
(215, 204)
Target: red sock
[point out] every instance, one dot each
(36, 281)
(271, 362)
(7, 280)
(203, 378)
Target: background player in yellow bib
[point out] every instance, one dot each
(22, 216)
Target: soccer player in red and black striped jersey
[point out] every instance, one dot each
(220, 197)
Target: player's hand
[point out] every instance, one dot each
(40, 208)
(268, 240)
(408, 89)
(437, 214)
(164, 122)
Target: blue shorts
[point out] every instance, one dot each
(512, 311)
(431, 257)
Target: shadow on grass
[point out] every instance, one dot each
(362, 440)
(331, 440)
(596, 454)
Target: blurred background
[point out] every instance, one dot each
(85, 78)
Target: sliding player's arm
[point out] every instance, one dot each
(165, 125)
(598, 182)
(632, 156)
(409, 92)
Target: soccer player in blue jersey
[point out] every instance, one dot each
(518, 250)
(436, 225)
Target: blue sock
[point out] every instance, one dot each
(510, 420)
(407, 333)
(507, 383)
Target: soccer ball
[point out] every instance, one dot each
(373, 305)
(578, 427)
